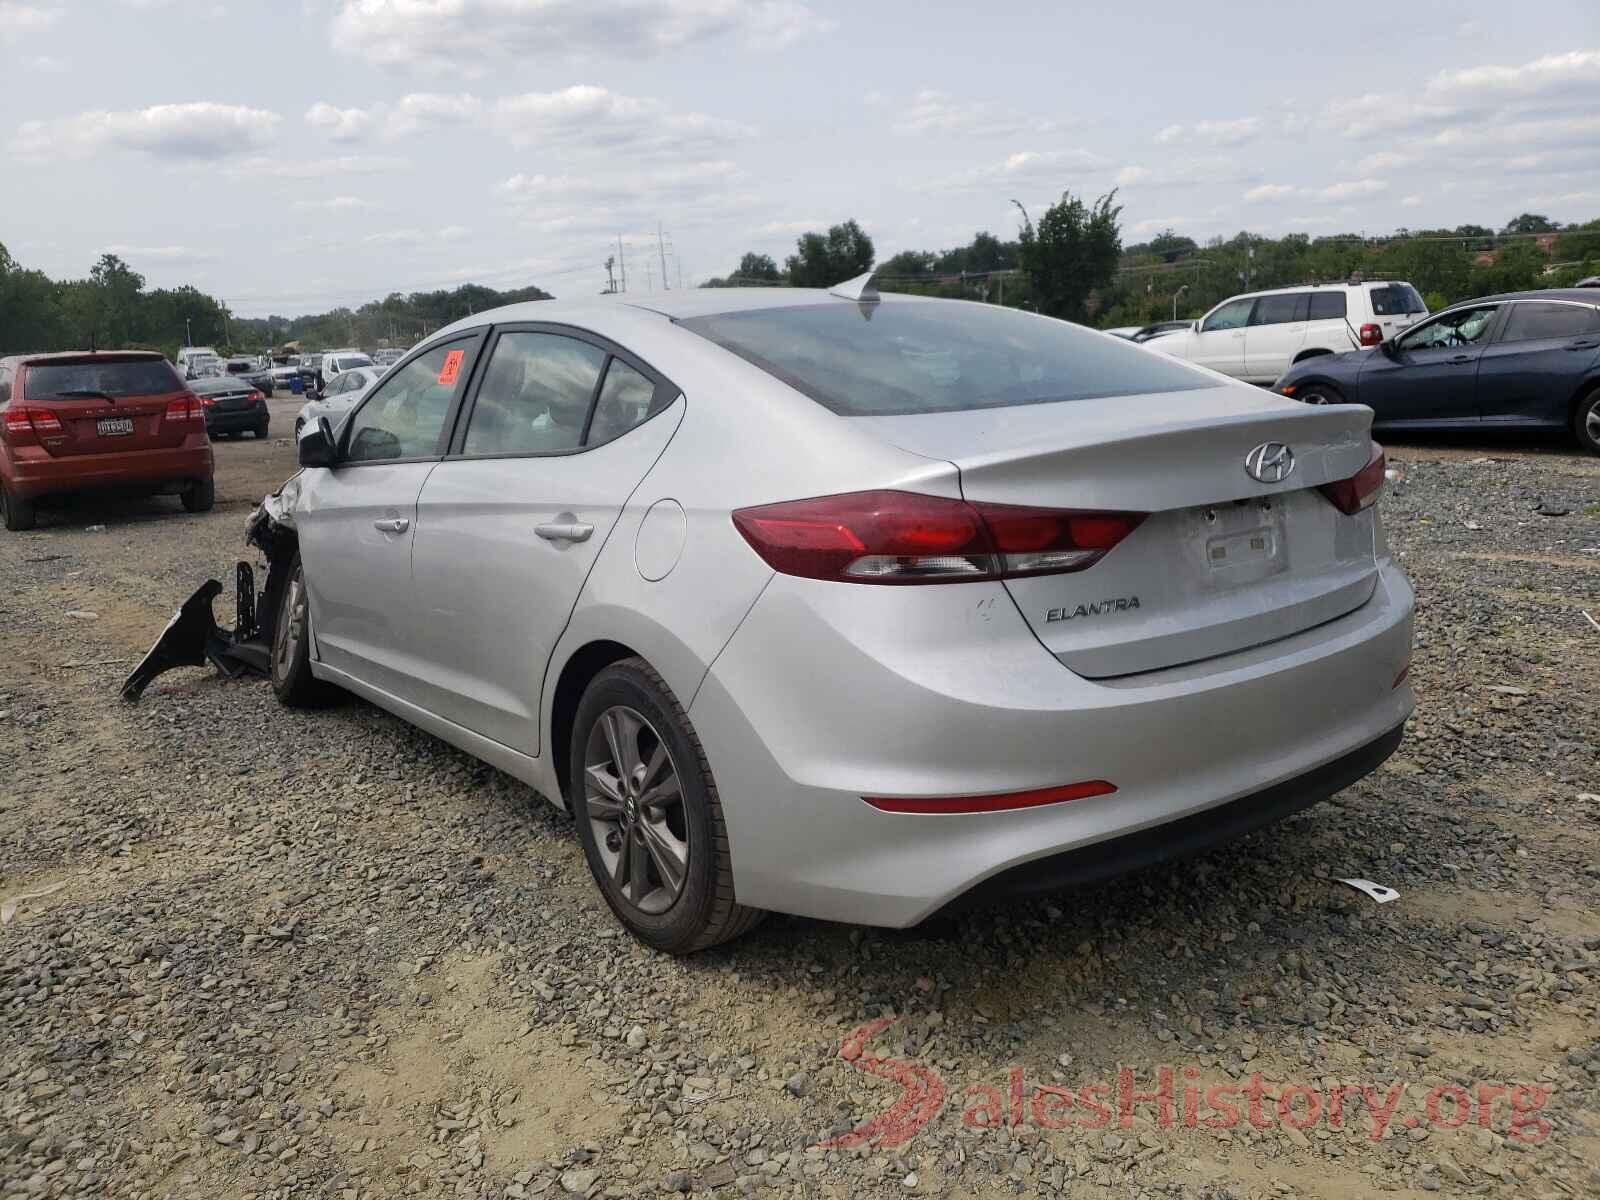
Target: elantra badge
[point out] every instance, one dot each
(1270, 462)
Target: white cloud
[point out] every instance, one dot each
(199, 131)
(166, 254)
(317, 168)
(1411, 201)
(1029, 168)
(1169, 134)
(1353, 187)
(1271, 191)
(596, 118)
(333, 204)
(1383, 160)
(18, 19)
(939, 113)
(423, 110)
(1132, 175)
(1228, 133)
(1153, 225)
(468, 36)
(1578, 69)
(692, 179)
(339, 124)
(1343, 190)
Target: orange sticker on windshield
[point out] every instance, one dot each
(451, 368)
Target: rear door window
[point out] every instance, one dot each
(536, 395)
(1327, 306)
(1527, 322)
(67, 381)
(624, 402)
(1281, 310)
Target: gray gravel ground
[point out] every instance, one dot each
(326, 955)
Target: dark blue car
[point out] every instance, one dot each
(1526, 360)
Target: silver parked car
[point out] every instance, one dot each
(342, 395)
(854, 608)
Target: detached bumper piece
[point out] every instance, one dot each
(192, 638)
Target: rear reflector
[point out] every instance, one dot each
(1371, 335)
(1361, 490)
(906, 537)
(1002, 802)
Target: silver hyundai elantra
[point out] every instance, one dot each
(848, 606)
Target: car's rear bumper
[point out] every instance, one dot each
(238, 421)
(30, 476)
(829, 692)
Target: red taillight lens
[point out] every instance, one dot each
(23, 424)
(905, 537)
(1361, 490)
(187, 407)
(256, 397)
(1371, 335)
(1003, 802)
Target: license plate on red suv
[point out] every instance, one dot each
(113, 426)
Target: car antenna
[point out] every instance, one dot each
(861, 289)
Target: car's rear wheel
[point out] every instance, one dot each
(1586, 422)
(200, 496)
(261, 429)
(292, 680)
(1319, 393)
(649, 816)
(19, 514)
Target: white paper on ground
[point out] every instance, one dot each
(1376, 890)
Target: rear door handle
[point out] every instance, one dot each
(564, 531)
(1459, 358)
(392, 525)
(1585, 344)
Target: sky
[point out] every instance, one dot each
(290, 156)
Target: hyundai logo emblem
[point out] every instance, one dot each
(1270, 462)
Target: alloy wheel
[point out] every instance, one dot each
(1591, 423)
(291, 626)
(634, 801)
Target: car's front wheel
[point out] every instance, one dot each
(292, 680)
(1319, 393)
(649, 816)
(1586, 422)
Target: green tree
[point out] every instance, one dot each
(759, 267)
(1170, 246)
(1073, 250)
(822, 260)
(1530, 223)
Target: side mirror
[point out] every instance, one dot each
(1195, 328)
(316, 447)
(1388, 349)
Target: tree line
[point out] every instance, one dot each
(112, 309)
(1072, 263)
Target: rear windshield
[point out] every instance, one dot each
(936, 356)
(353, 361)
(1396, 299)
(148, 377)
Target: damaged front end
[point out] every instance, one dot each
(193, 638)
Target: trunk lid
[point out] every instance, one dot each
(1223, 562)
(129, 415)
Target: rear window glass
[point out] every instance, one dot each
(1396, 299)
(936, 356)
(353, 361)
(144, 378)
(1327, 305)
(1527, 322)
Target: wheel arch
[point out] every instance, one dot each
(1590, 384)
(586, 662)
(1313, 352)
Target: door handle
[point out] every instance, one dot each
(1585, 344)
(1459, 358)
(564, 531)
(392, 525)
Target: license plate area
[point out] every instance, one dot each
(1241, 542)
(114, 426)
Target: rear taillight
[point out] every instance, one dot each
(1361, 490)
(905, 537)
(256, 397)
(1371, 335)
(187, 407)
(22, 424)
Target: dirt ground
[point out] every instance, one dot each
(281, 954)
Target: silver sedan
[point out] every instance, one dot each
(850, 607)
(341, 396)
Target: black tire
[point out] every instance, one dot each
(19, 514)
(200, 496)
(1586, 422)
(292, 680)
(299, 424)
(261, 430)
(704, 911)
(1319, 393)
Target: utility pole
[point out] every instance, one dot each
(1175, 296)
(188, 335)
(611, 278)
(661, 245)
(622, 262)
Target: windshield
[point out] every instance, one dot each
(141, 377)
(349, 362)
(938, 356)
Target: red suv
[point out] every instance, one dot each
(80, 422)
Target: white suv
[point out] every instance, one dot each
(1258, 336)
(336, 363)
